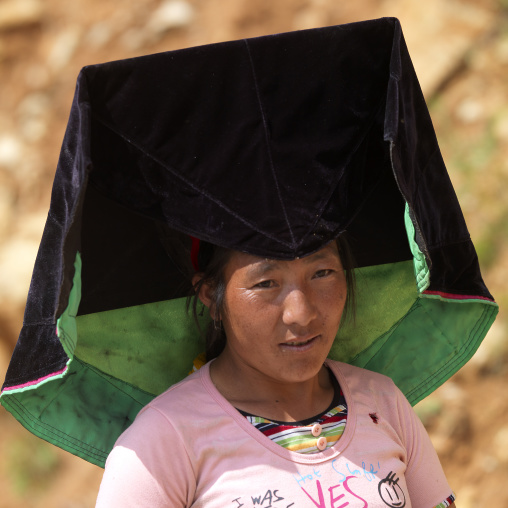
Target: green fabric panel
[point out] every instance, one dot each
(66, 324)
(95, 408)
(150, 346)
(421, 270)
(375, 314)
(83, 412)
(417, 346)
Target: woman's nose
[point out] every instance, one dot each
(298, 308)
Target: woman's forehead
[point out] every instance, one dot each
(259, 265)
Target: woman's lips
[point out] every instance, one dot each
(299, 344)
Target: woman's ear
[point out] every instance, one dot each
(204, 290)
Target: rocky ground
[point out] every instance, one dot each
(460, 51)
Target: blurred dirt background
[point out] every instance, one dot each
(460, 51)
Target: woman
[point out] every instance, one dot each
(270, 148)
(198, 445)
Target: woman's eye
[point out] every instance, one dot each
(323, 273)
(265, 284)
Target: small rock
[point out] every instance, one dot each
(17, 257)
(489, 464)
(11, 150)
(451, 392)
(64, 47)
(99, 35)
(18, 13)
(469, 111)
(171, 14)
(33, 112)
(34, 129)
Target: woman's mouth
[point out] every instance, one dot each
(299, 344)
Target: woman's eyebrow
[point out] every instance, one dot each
(266, 266)
(263, 267)
(318, 256)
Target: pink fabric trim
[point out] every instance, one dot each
(457, 297)
(37, 381)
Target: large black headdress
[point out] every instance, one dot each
(273, 146)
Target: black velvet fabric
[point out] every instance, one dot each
(273, 146)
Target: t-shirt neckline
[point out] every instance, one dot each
(337, 397)
(245, 425)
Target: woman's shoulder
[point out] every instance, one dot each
(165, 413)
(352, 371)
(372, 395)
(359, 380)
(188, 392)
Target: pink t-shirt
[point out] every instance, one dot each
(190, 447)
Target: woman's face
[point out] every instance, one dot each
(281, 317)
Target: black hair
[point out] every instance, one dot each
(213, 275)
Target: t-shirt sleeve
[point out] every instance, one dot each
(148, 467)
(425, 479)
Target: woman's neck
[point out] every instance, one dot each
(250, 391)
